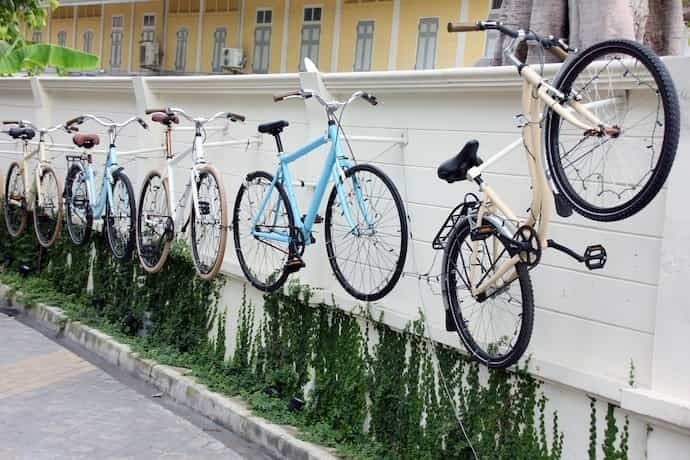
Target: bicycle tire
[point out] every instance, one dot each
(150, 261)
(381, 289)
(449, 285)
(48, 239)
(79, 238)
(564, 81)
(205, 271)
(279, 278)
(119, 177)
(15, 216)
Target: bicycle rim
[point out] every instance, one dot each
(495, 330)
(78, 203)
(120, 218)
(48, 210)
(209, 224)
(15, 201)
(262, 260)
(626, 86)
(153, 224)
(368, 259)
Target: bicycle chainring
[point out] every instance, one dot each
(529, 249)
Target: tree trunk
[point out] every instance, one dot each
(514, 13)
(592, 21)
(550, 18)
(665, 28)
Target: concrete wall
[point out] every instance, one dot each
(589, 326)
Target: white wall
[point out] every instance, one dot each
(588, 326)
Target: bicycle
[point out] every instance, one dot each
(365, 224)
(43, 199)
(159, 216)
(596, 108)
(115, 200)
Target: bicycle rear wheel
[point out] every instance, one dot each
(628, 87)
(368, 259)
(155, 227)
(209, 224)
(15, 201)
(48, 210)
(262, 259)
(78, 206)
(496, 327)
(119, 219)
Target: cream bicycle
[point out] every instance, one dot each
(610, 132)
(43, 197)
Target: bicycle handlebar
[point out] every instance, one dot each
(107, 124)
(174, 110)
(306, 94)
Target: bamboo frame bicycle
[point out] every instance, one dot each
(43, 199)
(601, 100)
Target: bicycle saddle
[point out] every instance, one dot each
(274, 127)
(22, 133)
(86, 141)
(165, 119)
(456, 168)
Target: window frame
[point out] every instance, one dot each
(91, 36)
(62, 38)
(181, 46)
(355, 67)
(37, 36)
(217, 51)
(428, 20)
(313, 25)
(264, 27)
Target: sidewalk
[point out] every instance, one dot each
(55, 405)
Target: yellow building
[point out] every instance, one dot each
(268, 36)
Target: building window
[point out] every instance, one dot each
(496, 4)
(262, 41)
(118, 22)
(116, 42)
(148, 32)
(219, 37)
(426, 43)
(62, 38)
(37, 36)
(181, 50)
(490, 43)
(364, 46)
(311, 36)
(88, 41)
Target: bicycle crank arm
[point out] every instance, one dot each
(594, 257)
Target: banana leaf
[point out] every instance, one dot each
(34, 57)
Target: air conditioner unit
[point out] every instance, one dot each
(233, 58)
(148, 54)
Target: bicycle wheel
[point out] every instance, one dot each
(15, 201)
(626, 86)
(210, 224)
(119, 219)
(78, 206)
(496, 327)
(262, 260)
(155, 227)
(48, 210)
(368, 259)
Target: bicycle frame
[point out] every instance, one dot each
(534, 91)
(38, 171)
(105, 194)
(334, 169)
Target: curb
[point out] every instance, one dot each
(229, 412)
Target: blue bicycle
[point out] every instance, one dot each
(365, 224)
(115, 200)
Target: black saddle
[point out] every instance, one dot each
(24, 134)
(456, 168)
(274, 128)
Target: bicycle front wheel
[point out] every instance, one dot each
(367, 251)
(155, 227)
(119, 218)
(48, 208)
(15, 201)
(496, 325)
(609, 178)
(262, 257)
(209, 223)
(78, 204)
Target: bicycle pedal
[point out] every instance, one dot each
(450, 322)
(595, 257)
(294, 264)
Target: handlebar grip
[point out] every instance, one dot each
(280, 97)
(236, 117)
(10, 122)
(463, 27)
(559, 52)
(370, 98)
(74, 121)
(150, 111)
(143, 123)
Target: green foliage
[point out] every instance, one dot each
(371, 391)
(13, 12)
